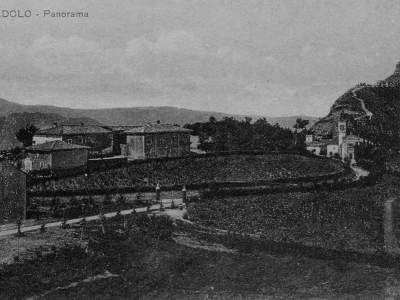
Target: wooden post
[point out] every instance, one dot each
(43, 227)
(158, 192)
(64, 222)
(19, 223)
(184, 194)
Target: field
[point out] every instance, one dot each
(197, 170)
(350, 219)
(143, 262)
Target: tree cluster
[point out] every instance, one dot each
(230, 134)
(25, 135)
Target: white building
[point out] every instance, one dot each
(343, 145)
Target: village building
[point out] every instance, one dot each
(348, 147)
(332, 148)
(55, 155)
(315, 147)
(155, 141)
(342, 145)
(12, 193)
(195, 144)
(98, 138)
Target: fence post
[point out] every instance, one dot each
(102, 220)
(158, 196)
(43, 227)
(83, 223)
(19, 223)
(158, 192)
(184, 194)
(64, 222)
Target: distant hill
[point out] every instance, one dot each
(12, 122)
(136, 115)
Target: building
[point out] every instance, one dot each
(341, 145)
(315, 147)
(195, 144)
(348, 147)
(156, 140)
(98, 138)
(55, 155)
(332, 148)
(12, 193)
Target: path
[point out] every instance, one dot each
(390, 240)
(359, 172)
(166, 204)
(367, 112)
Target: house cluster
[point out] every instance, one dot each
(70, 146)
(342, 145)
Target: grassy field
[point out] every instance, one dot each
(349, 219)
(146, 263)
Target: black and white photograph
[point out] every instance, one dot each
(199, 149)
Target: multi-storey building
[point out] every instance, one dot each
(156, 140)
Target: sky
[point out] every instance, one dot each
(272, 58)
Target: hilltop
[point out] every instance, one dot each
(139, 115)
(379, 103)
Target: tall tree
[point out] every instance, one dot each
(299, 135)
(25, 135)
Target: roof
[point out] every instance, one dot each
(54, 146)
(157, 128)
(352, 137)
(72, 129)
(315, 144)
(120, 128)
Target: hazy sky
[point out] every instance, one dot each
(260, 57)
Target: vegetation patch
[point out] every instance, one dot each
(350, 219)
(196, 171)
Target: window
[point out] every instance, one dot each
(69, 141)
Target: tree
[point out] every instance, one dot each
(301, 124)
(25, 135)
(300, 127)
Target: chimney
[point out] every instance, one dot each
(397, 69)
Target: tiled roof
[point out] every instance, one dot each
(54, 146)
(72, 129)
(315, 144)
(352, 137)
(119, 128)
(156, 128)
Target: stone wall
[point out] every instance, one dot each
(167, 145)
(69, 159)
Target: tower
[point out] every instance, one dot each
(342, 128)
(341, 131)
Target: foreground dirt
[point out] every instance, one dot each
(26, 246)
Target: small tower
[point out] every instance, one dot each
(397, 69)
(342, 128)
